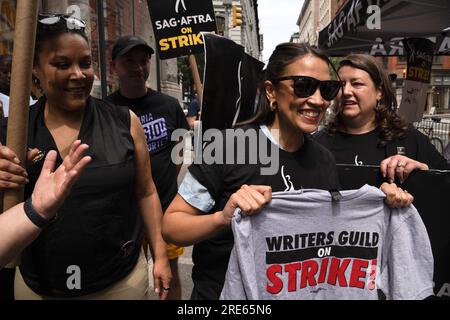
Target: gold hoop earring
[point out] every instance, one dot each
(273, 105)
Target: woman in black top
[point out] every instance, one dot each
(297, 91)
(365, 129)
(93, 248)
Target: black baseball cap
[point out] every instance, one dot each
(126, 43)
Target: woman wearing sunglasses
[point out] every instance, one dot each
(297, 91)
(365, 129)
(92, 250)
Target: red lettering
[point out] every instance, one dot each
(372, 275)
(337, 272)
(309, 270)
(271, 274)
(323, 270)
(292, 269)
(357, 273)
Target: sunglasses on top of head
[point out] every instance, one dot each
(305, 87)
(70, 22)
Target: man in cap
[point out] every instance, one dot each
(160, 115)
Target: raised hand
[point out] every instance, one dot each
(52, 187)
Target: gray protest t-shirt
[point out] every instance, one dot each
(305, 246)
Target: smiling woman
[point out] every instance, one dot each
(100, 227)
(292, 101)
(365, 129)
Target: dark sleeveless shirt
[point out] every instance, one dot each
(98, 229)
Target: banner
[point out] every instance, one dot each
(377, 27)
(177, 25)
(430, 190)
(419, 54)
(230, 83)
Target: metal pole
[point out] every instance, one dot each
(227, 4)
(101, 48)
(158, 73)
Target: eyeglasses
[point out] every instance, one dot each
(306, 86)
(52, 19)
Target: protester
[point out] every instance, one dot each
(19, 225)
(5, 73)
(365, 129)
(5, 83)
(290, 107)
(193, 111)
(160, 115)
(98, 230)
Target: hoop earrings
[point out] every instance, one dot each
(273, 105)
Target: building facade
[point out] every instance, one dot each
(327, 11)
(308, 22)
(246, 34)
(314, 16)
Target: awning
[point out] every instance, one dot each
(355, 28)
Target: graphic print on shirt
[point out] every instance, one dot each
(287, 181)
(316, 261)
(156, 132)
(358, 163)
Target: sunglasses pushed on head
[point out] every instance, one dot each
(61, 20)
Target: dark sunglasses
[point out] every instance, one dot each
(306, 86)
(70, 22)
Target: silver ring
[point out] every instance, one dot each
(401, 164)
(166, 289)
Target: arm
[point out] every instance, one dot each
(150, 208)
(16, 229)
(190, 120)
(185, 225)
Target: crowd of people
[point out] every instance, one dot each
(121, 201)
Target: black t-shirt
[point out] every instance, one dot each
(160, 115)
(363, 149)
(98, 228)
(353, 148)
(310, 167)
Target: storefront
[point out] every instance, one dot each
(441, 92)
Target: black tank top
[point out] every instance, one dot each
(98, 229)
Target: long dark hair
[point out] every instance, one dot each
(283, 55)
(391, 125)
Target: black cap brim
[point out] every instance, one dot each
(132, 46)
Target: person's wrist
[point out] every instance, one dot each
(39, 220)
(45, 213)
(220, 219)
